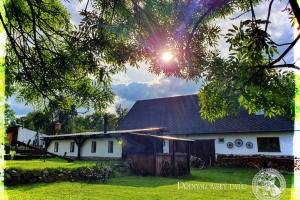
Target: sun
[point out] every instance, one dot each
(167, 56)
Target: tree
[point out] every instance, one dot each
(38, 121)
(71, 122)
(255, 76)
(113, 33)
(115, 118)
(120, 113)
(9, 116)
(49, 62)
(94, 121)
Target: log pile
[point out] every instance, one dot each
(282, 163)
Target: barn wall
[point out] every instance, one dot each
(285, 140)
(135, 145)
(159, 165)
(101, 148)
(142, 164)
(63, 146)
(164, 161)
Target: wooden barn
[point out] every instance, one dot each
(147, 150)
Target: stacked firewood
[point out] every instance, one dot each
(257, 161)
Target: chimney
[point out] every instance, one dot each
(57, 128)
(105, 124)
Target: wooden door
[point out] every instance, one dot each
(204, 149)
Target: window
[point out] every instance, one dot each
(221, 140)
(110, 146)
(72, 147)
(56, 147)
(93, 150)
(268, 144)
(166, 146)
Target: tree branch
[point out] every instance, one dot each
(283, 44)
(34, 33)
(20, 57)
(233, 18)
(269, 13)
(296, 9)
(252, 10)
(218, 5)
(202, 17)
(284, 66)
(285, 52)
(87, 3)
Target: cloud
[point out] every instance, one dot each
(133, 74)
(119, 101)
(20, 108)
(159, 87)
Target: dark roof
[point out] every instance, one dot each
(180, 115)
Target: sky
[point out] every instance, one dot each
(137, 84)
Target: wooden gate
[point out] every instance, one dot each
(204, 149)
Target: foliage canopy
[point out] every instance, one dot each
(69, 68)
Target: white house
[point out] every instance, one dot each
(242, 134)
(146, 149)
(91, 149)
(100, 145)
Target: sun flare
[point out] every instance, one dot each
(167, 56)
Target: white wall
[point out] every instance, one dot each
(285, 140)
(101, 148)
(24, 135)
(63, 146)
(296, 146)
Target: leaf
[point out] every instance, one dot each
(235, 27)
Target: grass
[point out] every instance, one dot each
(220, 183)
(51, 163)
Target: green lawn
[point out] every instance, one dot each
(52, 163)
(227, 183)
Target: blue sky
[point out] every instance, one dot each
(136, 84)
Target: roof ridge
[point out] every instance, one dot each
(167, 97)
